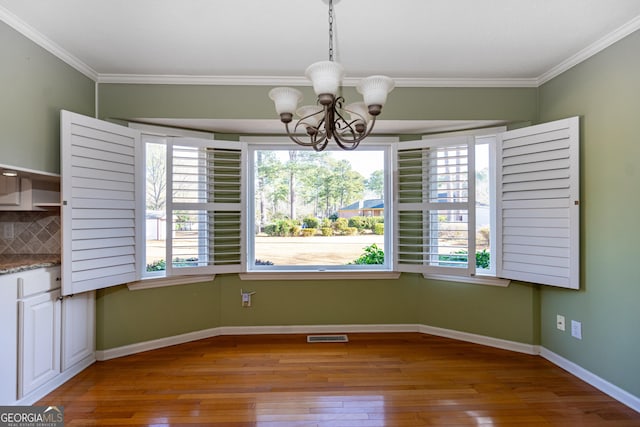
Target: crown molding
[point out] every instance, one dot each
(38, 38)
(586, 53)
(175, 79)
(302, 81)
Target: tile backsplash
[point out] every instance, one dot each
(33, 232)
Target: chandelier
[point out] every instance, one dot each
(329, 118)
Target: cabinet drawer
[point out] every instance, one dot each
(33, 282)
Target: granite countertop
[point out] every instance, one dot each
(22, 262)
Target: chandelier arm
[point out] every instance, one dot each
(296, 140)
(315, 140)
(348, 125)
(340, 139)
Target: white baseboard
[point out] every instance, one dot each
(481, 339)
(316, 329)
(130, 349)
(313, 329)
(604, 386)
(127, 350)
(616, 392)
(47, 388)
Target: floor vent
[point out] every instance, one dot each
(327, 338)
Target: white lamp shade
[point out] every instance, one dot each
(325, 76)
(374, 89)
(286, 99)
(358, 112)
(309, 110)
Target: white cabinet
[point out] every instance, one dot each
(44, 339)
(10, 196)
(32, 193)
(39, 349)
(78, 326)
(8, 338)
(39, 328)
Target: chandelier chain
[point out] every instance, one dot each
(330, 30)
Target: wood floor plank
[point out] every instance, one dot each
(390, 379)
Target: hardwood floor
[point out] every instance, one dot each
(396, 379)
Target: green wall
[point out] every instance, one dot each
(605, 92)
(35, 87)
(125, 101)
(127, 317)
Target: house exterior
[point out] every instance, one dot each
(603, 90)
(368, 207)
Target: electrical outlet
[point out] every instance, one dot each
(560, 322)
(576, 329)
(246, 298)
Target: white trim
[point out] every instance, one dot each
(47, 44)
(32, 173)
(320, 275)
(161, 282)
(586, 53)
(476, 280)
(168, 79)
(312, 329)
(130, 349)
(604, 386)
(373, 142)
(480, 339)
(168, 131)
(316, 329)
(60, 379)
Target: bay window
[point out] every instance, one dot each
(466, 207)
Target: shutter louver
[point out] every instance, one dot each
(435, 206)
(538, 214)
(99, 192)
(205, 185)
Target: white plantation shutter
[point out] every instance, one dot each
(205, 189)
(99, 192)
(435, 206)
(538, 212)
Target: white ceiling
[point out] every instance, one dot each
(416, 42)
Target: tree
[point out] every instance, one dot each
(156, 177)
(375, 184)
(293, 168)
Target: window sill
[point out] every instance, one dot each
(320, 275)
(476, 280)
(161, 282)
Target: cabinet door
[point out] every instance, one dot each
(39, 334)
(78, 326)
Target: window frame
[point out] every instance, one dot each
(253, 272)
(159, 135)
(476, 276)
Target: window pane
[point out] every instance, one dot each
(155, 212)
(483, 207)
(318, 209)
(206, 198)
